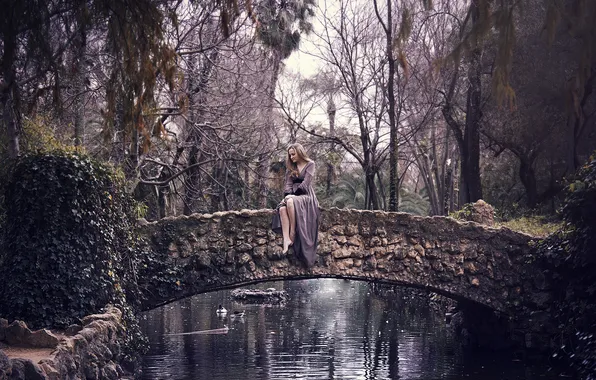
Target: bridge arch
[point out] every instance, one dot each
(464, 261)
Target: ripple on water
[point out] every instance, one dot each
(330, 329)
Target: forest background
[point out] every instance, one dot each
(417, 106)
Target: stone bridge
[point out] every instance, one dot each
(464, 261)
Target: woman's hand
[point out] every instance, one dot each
(289, 196)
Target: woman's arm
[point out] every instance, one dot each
(288, 185)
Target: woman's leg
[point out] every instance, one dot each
(285, 227)
(292, 217)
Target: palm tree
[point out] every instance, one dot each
(350, 191)
(413, 202)
(280, 26)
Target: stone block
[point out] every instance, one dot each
(43, 338)
(109, 372)
(50, 371)
(470, 267)
(202, 260)
(92, 371)
(5, 366)
(17, 333)
(3, 325)
(437, 266)
(381, 232)
(336, 230)
(365, 231)
(399, 253)
(354, 242)
(275, 252)
(244, 258)
(345, 263)
(375, 241)
(351, 230)
(418, 248)
(370, 264)
(32, 371)
(340, 239)
(341, 253)
(173, 250)
(244, 247)
(259, 252)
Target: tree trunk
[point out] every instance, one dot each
(393, 146)
(79, 82)
(448, 191)
(266, 137)
(192, 189)
(528, 179)
(393, 169)
(579, 122)
(192, 180)
(373, 199)
(331, 110)
(9, 94)
(471, 189)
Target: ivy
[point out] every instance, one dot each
(570, 255)
(69, 246)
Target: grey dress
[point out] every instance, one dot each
(307, 212)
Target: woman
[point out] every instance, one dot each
(299, 211)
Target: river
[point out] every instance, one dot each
(329, 329)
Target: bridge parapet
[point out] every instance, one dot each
(464, 261)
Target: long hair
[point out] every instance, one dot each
(302, 155)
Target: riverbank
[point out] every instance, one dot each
(90, 350)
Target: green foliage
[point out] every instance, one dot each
(413, 202)
(282, 22)
(570, 256)
(350, 192)
(465, 213)
(5, 171)
(39, 137)
(535, 225)
(157, 271)
(69, 248)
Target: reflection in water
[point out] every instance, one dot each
(330, 329)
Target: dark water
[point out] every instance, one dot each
(330, 329)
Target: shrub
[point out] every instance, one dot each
(571, 256)
(69, 247)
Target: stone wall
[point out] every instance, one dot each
(89, 351)
(464, 261)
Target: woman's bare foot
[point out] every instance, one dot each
(287, 245)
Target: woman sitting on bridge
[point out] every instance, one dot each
(299, 210)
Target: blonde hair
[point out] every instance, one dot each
(302, 155)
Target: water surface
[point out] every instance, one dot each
(330, 329)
